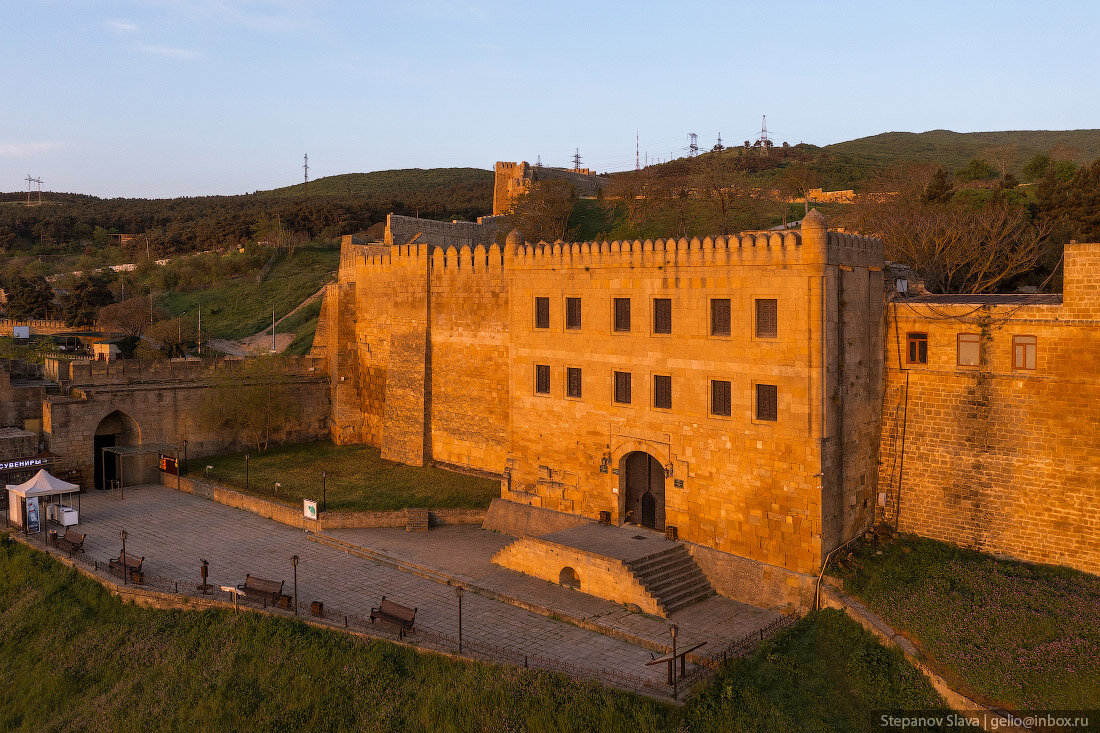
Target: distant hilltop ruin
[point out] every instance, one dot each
(512, 179)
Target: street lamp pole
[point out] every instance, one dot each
(324, 481)
(246, 472)
(294, 560)
(458, 592)
(122, 534)
(675, 681)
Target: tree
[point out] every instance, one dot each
(976, 169)
(1001, 156)
(956, 248)
(251, 402)
(130, 317)
(81, 305)
(542, 212)
(798, 180)
(28, 297)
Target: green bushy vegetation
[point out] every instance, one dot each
(73, 657)
(1020, 635)
(358, 478)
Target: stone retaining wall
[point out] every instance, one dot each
(292, 514)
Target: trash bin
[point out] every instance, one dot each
(317, 608)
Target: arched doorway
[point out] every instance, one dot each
(644, 490)
(118, 428)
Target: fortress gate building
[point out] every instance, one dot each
(726, 390)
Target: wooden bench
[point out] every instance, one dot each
(127, 564)
(396, 614)
(70, 541)
(266, 590)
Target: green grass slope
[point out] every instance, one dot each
(1021, 635)
(241, 307)
(389, 183)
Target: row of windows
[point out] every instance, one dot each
(766, 315)
(968, 350)
(767, 395)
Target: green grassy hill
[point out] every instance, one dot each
(953, 149)
(389, 183)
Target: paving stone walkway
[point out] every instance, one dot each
(174, 531)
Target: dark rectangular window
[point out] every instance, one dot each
(719, 397)
(720, 317)
(917, 348)
(969, 349)
(572, 313)
(1023, 352)
(622, 314)
(542, 313)
(542, 379)
(767, 318)
(662, 391)
(622, 388)
(573, 382)
(767, 399)
(662, 315)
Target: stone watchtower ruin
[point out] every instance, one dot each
(726, 390)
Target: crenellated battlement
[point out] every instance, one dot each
(815, 246)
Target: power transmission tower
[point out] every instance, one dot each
(577, 159)
(720, 147)
(538, 161)
(29, 182)
(763, 140)
(693, 148)
(637, 157)
(305, 169)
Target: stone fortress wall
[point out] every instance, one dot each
(513, 179)
(991, 448)
(431, 353)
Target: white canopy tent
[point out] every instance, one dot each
(42, 486)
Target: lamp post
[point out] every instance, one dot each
(458, 592)
(294, 561)
(246, 472)
(122, 534)
(675, 683)
(324, 481)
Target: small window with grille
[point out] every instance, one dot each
(572, 313)
(622, 388)
(767, 318)
(662, 315)
(969, 349)
(720, 317)
(622, 315)
(542, 379)
(719, 397)
(542, 313)
(767, 402)
(573, 382)
(662, 392)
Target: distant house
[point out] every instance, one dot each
(106, 350)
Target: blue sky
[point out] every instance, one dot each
(162, 98)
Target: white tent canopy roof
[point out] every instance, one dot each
(43, 484)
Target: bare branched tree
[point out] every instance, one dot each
(1001, 156)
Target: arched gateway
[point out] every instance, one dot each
(115, 429)
(643, 490)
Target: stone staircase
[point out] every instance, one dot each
(671, 578)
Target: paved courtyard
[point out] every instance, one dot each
(174, 531)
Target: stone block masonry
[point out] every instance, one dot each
(990, 434)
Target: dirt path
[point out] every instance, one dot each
(260, 343)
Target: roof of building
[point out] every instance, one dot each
(987, 299)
